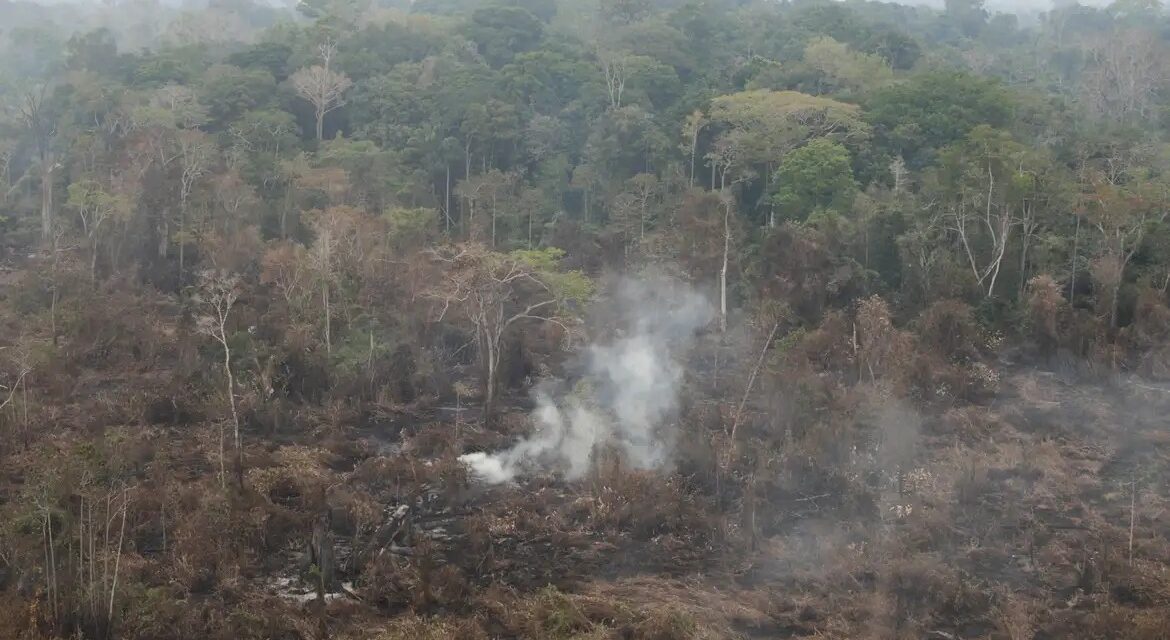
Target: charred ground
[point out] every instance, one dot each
(1009, 494)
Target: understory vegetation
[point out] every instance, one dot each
(267, 274)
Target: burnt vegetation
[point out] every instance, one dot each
(271, 278)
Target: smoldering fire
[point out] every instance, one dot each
(630, 390)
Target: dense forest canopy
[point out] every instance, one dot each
(272, 276)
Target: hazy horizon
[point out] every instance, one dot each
(995, 6)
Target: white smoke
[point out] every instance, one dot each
(630, 391)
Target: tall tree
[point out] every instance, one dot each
(322, 86)
(762, 126)
(195, 155)
(1122, 214)
(217, 295)
(497, 292)
(95, 208)
(32, 106)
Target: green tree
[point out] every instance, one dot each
(501, 32)
(760, 127)
(984, 187)
(816, 176)
(929, 111)
(497, 293)
(847, 70)
(229, 92)
(96, 210)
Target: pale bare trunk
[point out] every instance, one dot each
(47, 531)
(328, 324)
(231, 389)
(471, 235)
(694, 150)
(81, 550)
(751, 383)
(1132, 512)
(1072, 271)
(92, 563)
(46, 195)
(288, 196)
(106, 544)
(723, 269)
(492, 353)
(182, 238)
(53, 310)
(93, 256)
(1113, 304)
(164, 239)
(222, 456)
(117, 564)
(642, 223)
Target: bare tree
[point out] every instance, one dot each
(585, 179)
(726, 157)
(990, 196)
(32, 111)
(24, 367)
(1122, 214)
(234, 196)
(180, 106)
(727, 201)
(321, 86)
(342, 242)
(495, 291)
(615, 69)
(1127, 71)
(95, 580)
(323, 258)
(692, 127)
(7, 153)
(217, 294)
(645, 188)
(94, 207)
(196, 153)
(997, 219)
(485, 188)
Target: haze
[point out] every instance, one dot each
(584, 320)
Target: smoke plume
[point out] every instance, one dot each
(627, 396)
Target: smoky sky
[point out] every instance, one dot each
(994, 6)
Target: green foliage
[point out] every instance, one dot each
(817, 175)
(550, 80)
(567, 286)
(361, 347)
(259, 141)
(411, 228)
(899, 50)
(931, 110)
(377, 48)
(770, 122)
(95, 51)
(89, 194)
(500, 32)
(268, 56)
(229, 92)
(179, 65)
(849, 71)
